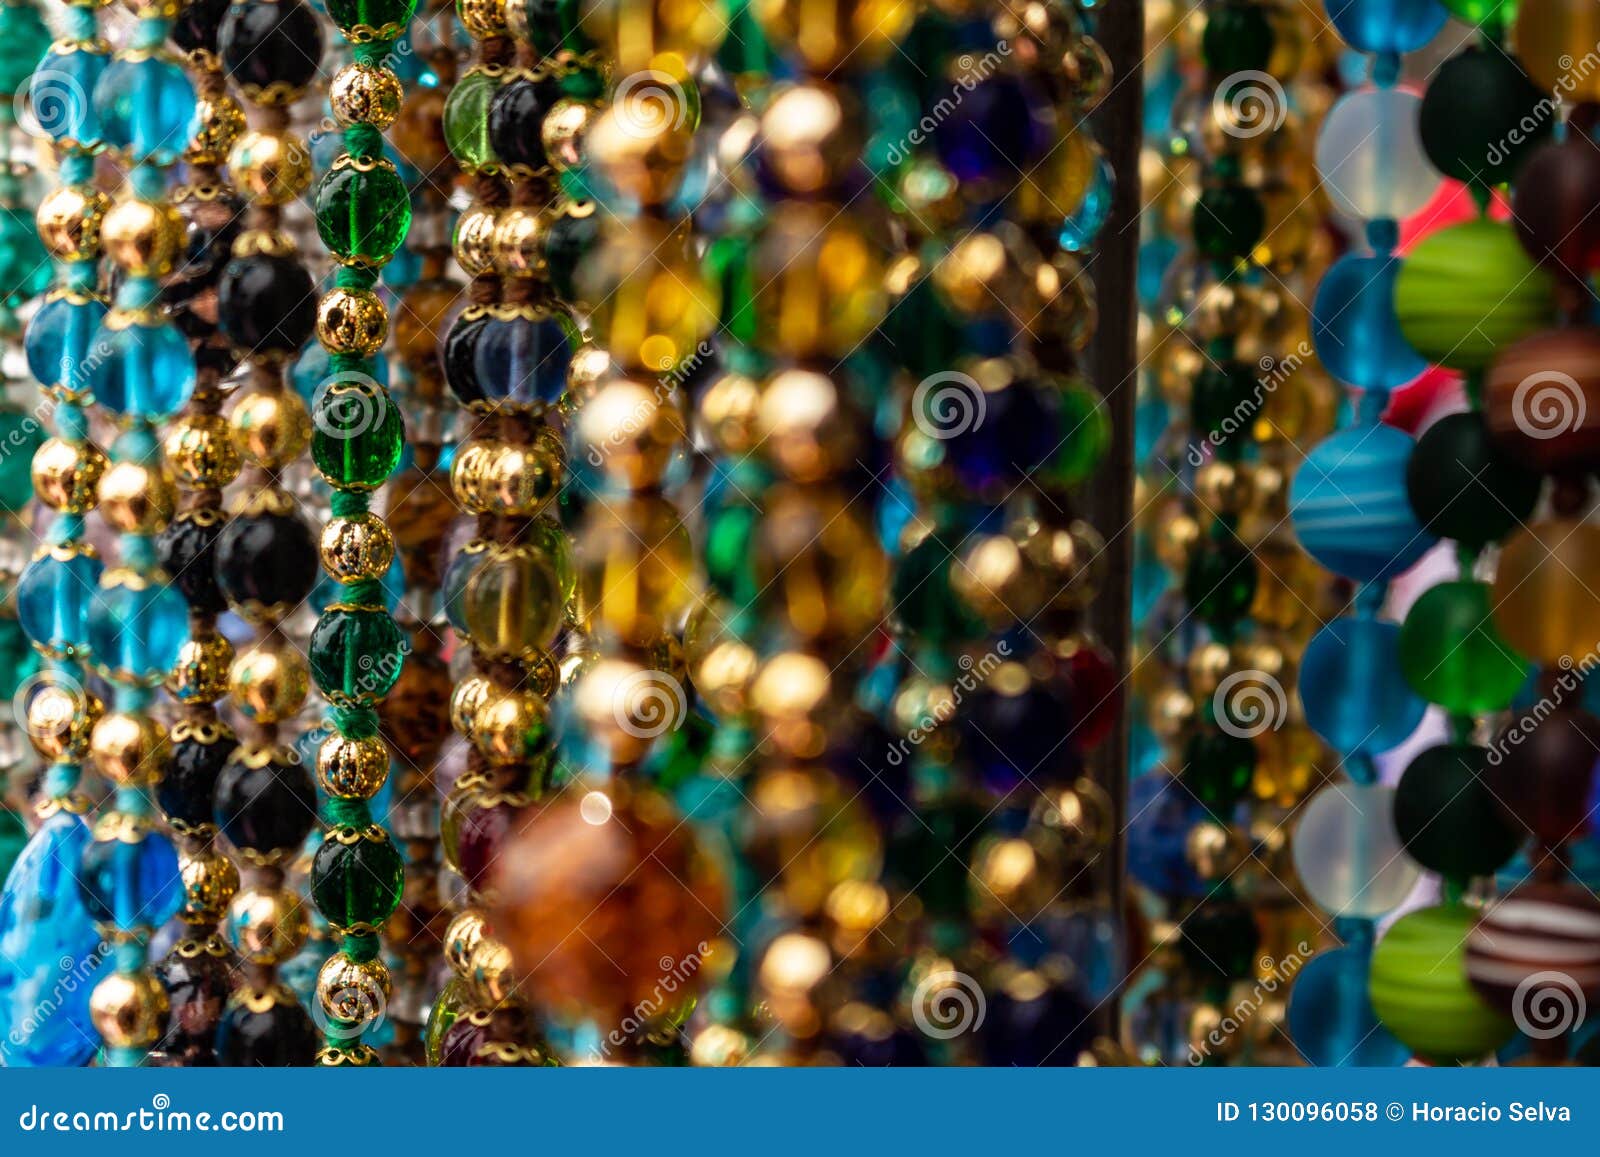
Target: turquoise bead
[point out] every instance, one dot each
(53, 597)
(20, 435)
(131, 885)
(19, 662)
(137, 628)
(24, 264)
(147, 368)
(147, 107)
(61, 92)
(59, 339)
(26, 38)
(1352, 688)
(1349, 505)
(50, 953)
(1080, 229)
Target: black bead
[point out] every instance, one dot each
(1219, 940)
(1030, 1027)
(266, 559)
(461, 356)
(568, 241)
(187, 552)
(271, 44)
(265, 809)
(188, 790)
(514, 118)
(198, 24)
(281, 1037)
(267, 304)
(197, 989)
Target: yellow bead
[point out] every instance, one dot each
(631, 430)
(271, 167)
(1544, 602)
(143, 238)
(511, 478)
(826, 35)
(625, 706)
(511, 726)
(667, 35)
(66, 475)
(352, 321)
(635, 569)
(1550, 36)
(362, 93)
(201, 673)
(513, 604)
(268, 926)
(270, 429)
(818, 557)
(137, 499)
(222, 121)
(819, 282)
(466, 930)
(60, 718)
(721, 665)
(200, 452)
(356, 548)
(519, 242)
(729, 410)
(640, 144)
(490, 973)
(350, 768)
(129, 749)
(795, 697)
(482, 18)
(69, 220)
(565, 130)
(808, 429)
(129, 1010)
(652, 308)
(1057, 187)
(210, 882)
(474, 240)
(811, 137)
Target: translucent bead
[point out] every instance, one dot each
(1420, 989)
(1349, 505)
(457, 576)
(1082, 226)
(359, 433)
(522, 361)
(1331, 1021)
(60, 92)
(1353, 325)
(1453, 655)
(1348, 855)
(363, 211)
(1397, 26)
(24, 264)
(146, 367)
(59, 339)
(27, 38)
(131, 885)
(20, 435)
(1370, 155)
(148, 107)
(356, 654)
(1353, 692)
(53, 597)
(1004, 124)
(137, 628)
(513, 604)
(1544, 599)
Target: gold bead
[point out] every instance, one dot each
(365, 94)
(510, 478)
(511, 727)
(69, 220)
(631, 431)
(356, 548)
(793, 967)
(564, 131)
(1224, 488)
(142, 237)
(66, 475)
(351, 768)
(273, 168)
(353, 993)
(995, 579)
(267, 926)
(807, 428)
(200, 452)
(129, 1010)
(129, 749)
(210, 882)
(201, 673)
(474, 239)
(482, 18)
(490, 974)
(352, 321)
(728, 413)
(465, 932)
(60, 718)
(469, 694)
(269, 683)
(591, 365)
(222, 120)
(137, 499)
(624, 706)
(519, 242)
(827, 35)
(642, 140)
(1208, 664)
(811, 137)
(719, 663)
(979, 276)
(793, 693)
(271, 429)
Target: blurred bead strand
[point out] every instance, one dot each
(138, 622)
(1373, 169)
(266, 557)
(198, 970)
(55, 589)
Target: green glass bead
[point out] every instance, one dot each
(372, 19)
(24, 264)
(1238, 38)
(20, 435)
(1085, 434)
(356, 654)
(921, 332)
(466, 120)
(924, 599)
(1228, 222)
(358, 433)
(452, 1002)
(363, 212)
(1222, 404)
(929, 852)
(730, 553)
(26, 37)
(1220, 583)
(356, 877)
(727, 266)
(1218, 767)
(572, 236)
(1452, 654)
(19, 662)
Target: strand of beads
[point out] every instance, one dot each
(138, 622)
(1350, 512)
(198, 969)
(266, 556)
(363, 213)
(45, 929)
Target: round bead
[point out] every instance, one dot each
(1542, 399)
(268, 682)
(266, 305)
(264, 808)
(1550, 35)
(271, 167)
(186, 550)
(358, 548)
(521, 359)
(1452, 654)
(1387, 26)
(1447, 817)
(352, 994)
(1535, 954)
(128, 748)
(350, 768)
(1543, 605)
(514, 603)
(1370, 155)
(129, 1011)
(271, 51)
(61, 89)
(201, 673)
(1347, 854)
(1478, 109)
(59, 339)
(352, 321)
(356, 654)
(53, 599)
(1549, 207)
(1542, 771)
(266, 564)
(267, 926)
(146, 367)
(357, 877)
(143, 238)
(359, 433)
(1462, 486)
(1004, 120)
(1353, 323)
(281, 1035)
(466, 120)
(1330, 1013)
(69, 221)
(195, 760)
(363, 211)
(130, 883)
(270, 428)
(1352, 689)
(146, 106)
(364, 94)
(515, 111)
(67, 475)
(1349, 504)
(136, 498)
(1420, 990)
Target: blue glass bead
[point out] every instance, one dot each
(991, 439)
(1331, 1020)
(1354, 328)
(523, 361)
(50, 953)
(1002, 126)
(137, 628)
(62, 90)
(1155, 258)
(147, 368)
(1354, 694)
(1397, 26)
(148, 107)
(131, 885)
(1349, 504)
(1079, 231)
(59, 339)
(53, 599)
(1162, 812)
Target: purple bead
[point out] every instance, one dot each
(1001, 128)
(523, 361)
